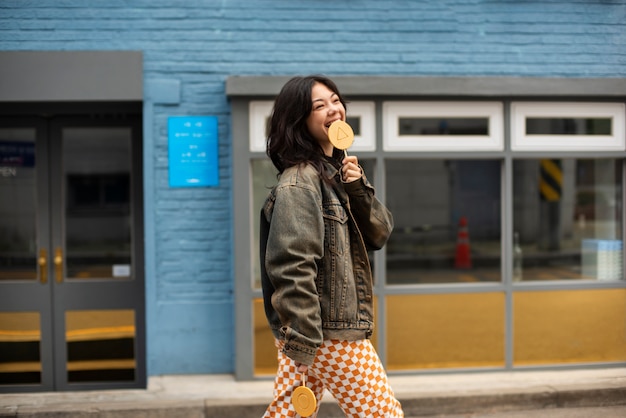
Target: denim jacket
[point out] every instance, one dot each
(315, 271)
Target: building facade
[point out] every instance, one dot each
(132, 169)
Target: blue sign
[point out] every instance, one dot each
(193, 151)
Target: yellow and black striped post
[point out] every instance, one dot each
(550, 191)
(550, 180)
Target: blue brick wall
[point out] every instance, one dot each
(198, 44)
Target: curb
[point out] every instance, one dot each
(503, 402)
(414, 406)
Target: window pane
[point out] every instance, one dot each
(447, 221)
(571, 126)
(569, 326)
(18, 204)
(368, 167)
(445, 331)
(96, 164)
(263, 179)
(567, 215)
(443, 126)
(355, 124)
(568, 126)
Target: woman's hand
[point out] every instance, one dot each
(302, 368)
(350, 171)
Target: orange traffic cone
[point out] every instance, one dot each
(463, 259)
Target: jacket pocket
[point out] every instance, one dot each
(333, 284)
(335, 227)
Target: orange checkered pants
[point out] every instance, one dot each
(352, 373)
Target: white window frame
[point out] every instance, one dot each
(393, 141)
(366, 112)
(260, 110)
(520, 141)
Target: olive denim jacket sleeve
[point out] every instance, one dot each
(295, 247)
(374, 220)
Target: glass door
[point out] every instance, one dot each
(25, 303)
(83, 261)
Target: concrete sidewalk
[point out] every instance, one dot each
(201, 396)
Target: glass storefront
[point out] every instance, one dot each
(498, 259)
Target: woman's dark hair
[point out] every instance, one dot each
(289, 142)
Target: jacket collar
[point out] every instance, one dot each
(332, 165)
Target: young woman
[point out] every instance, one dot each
(317, 226)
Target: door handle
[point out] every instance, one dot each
(42, 261)
(58, 265)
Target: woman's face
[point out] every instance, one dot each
(326, 109)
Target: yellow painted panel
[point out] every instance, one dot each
(94, 349)
(18, 331)
(569, 326)
(265, 356)
(445, 331)
(99, 325)
(19, 327)
(20, 367)
(74, 366)
(265, 360)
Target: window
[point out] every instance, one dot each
(263, 179)
(567, 218)
(259, 113)
(360, 116)
(443, 126)
(543, 126)
(447, 221)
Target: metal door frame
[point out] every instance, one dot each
(51, 299)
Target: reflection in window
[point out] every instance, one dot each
(567, 215)
(18, 204)
(443, 126)
(355, 124)
(568, 126)
(263, 179)
(447, 221)
(98, 202)
(98, 192)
